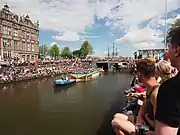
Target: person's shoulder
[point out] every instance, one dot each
(170, 86)
(171, 82)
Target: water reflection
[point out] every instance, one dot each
(38, 108)
(61, 90)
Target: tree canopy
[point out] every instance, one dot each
(43, 51)
(66, 52)
(54, 51)
(174, 25)
(86, 49)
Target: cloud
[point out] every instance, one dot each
(68, 36)
(99, 53)
(70, 18)
(87, 36)
(64, 16)
(53, 43)
(146, 37)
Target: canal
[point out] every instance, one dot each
(36, 108)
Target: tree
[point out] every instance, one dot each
(54, 51)
(86, 49)
(176, 23)
(169, 33)
(66, 52)
(76, 53)
(43, 51)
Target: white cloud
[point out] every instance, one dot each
(53, 43)
(68, 36)
(140, 21)
(99, 53)
(72, 17)
(87, 36)
(146, 37)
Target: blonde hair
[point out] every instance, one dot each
(165, 70)
(151, 59)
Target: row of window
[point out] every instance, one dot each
(8, 54)
(15, 32)
(25, 46)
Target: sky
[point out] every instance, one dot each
(130, 24)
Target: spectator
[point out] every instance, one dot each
(168, 99)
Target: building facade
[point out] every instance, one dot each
(149, 53)
(19, 36)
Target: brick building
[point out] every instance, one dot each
(19, 36)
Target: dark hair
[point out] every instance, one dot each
(173, 36)
(146, 67)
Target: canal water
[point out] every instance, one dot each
(37, 108)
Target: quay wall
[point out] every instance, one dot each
(25, 78)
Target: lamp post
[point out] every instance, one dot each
(108, 51)
(165, 28)
(113, 49)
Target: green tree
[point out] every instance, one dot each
(43, 51)
(66, 52)
(176, 23)
(76, 53)
(169, 33)
(86, 49)
(54, 51)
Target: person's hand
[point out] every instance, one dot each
(150, 133)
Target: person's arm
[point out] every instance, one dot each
(141, 113)
(163, 129)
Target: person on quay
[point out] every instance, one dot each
(126, 124)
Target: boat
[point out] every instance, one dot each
(84, 76)
(61, 82)
(95, 74)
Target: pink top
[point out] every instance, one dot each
(139, 89)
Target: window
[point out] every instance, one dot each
(9, 43)
(32, 47)
(9, 54)
(23, 46)
(5, 44)
(32, 36)
(9, 31)
(15, 45)
(6, 16)
(32, 57)
(28, 57)
(28, 47)
(23, 34)
(27, 36)
(16, 32)
(5, 30)
(5, 55)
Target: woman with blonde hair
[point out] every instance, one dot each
(165, 70)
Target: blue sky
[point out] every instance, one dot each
(135, 24)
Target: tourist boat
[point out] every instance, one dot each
(84, 76)
(61, 82)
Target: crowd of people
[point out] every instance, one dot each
(13, 70)
(160, 109)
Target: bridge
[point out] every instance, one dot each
(111, 66)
